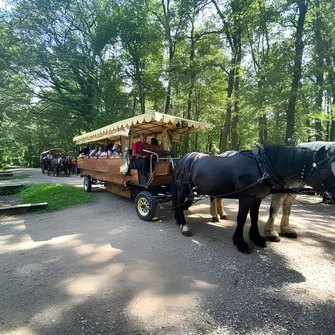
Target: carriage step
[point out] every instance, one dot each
(20, 209)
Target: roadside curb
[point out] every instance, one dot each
(6, 175)
(10, 188)
(20, 209)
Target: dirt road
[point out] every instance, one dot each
(99, 269)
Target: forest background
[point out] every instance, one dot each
(258, 70)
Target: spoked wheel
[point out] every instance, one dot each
(87, 184)
(145, 205)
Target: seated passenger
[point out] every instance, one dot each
(141, 157)
(100, 151)
(106, 152)
(116, 150)
(94, 151)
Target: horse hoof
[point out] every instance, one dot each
(260, 243)
(289, 235)
(224, 217)
(244, 248)
(273, 238)
(187, 233)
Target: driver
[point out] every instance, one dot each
(141, 157)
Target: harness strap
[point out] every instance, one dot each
(266, 168)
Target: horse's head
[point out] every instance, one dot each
(322, 174)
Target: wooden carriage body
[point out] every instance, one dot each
(118, 173)
(107, 169)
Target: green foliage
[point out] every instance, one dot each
(72, 66)
(58, 196)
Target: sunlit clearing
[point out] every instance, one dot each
(51, 314)
(202, 284)
(217, 224)
(104, 253)
(198, 207)
(26, 243)
(84, 284)
(147, 305)
(20, 331)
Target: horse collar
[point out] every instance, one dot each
(303, 171)
(266, 168)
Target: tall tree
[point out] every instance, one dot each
(301, 7)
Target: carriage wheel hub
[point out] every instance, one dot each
(143, 206)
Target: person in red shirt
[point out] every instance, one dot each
(141, 157)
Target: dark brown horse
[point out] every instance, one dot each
(65, 165)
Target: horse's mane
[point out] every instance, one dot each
(283, 156)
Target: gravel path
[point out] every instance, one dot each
(99, 269)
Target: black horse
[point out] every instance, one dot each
(249, 176)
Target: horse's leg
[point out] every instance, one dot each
(269, 229)
(254, 234)
(179, 210)
(285, 228)
(244, 206)
(220, 211)
(213, 210)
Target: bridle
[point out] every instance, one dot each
(324, 192)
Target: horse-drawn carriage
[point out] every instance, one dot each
(119, 173)
(56, 161)
(47, 156)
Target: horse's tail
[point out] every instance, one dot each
(174, 190)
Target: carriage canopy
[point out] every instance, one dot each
(53, 151)
(168, 126)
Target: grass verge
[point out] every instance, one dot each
(58, 196)
(23, 176)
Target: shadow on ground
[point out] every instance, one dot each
(99, 269)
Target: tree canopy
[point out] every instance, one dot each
(257, 70)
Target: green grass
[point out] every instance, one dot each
(23, 176)
(58, 196)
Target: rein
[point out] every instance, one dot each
(315, 169)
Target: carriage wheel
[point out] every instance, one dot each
(145, 205)
(87, 184)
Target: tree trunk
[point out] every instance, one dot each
(238, 48)
(234, 37)
(319, 70)
(191, 82)
(226, 128)
(299, 46)
(331, 93)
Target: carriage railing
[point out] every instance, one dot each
(159, 159)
